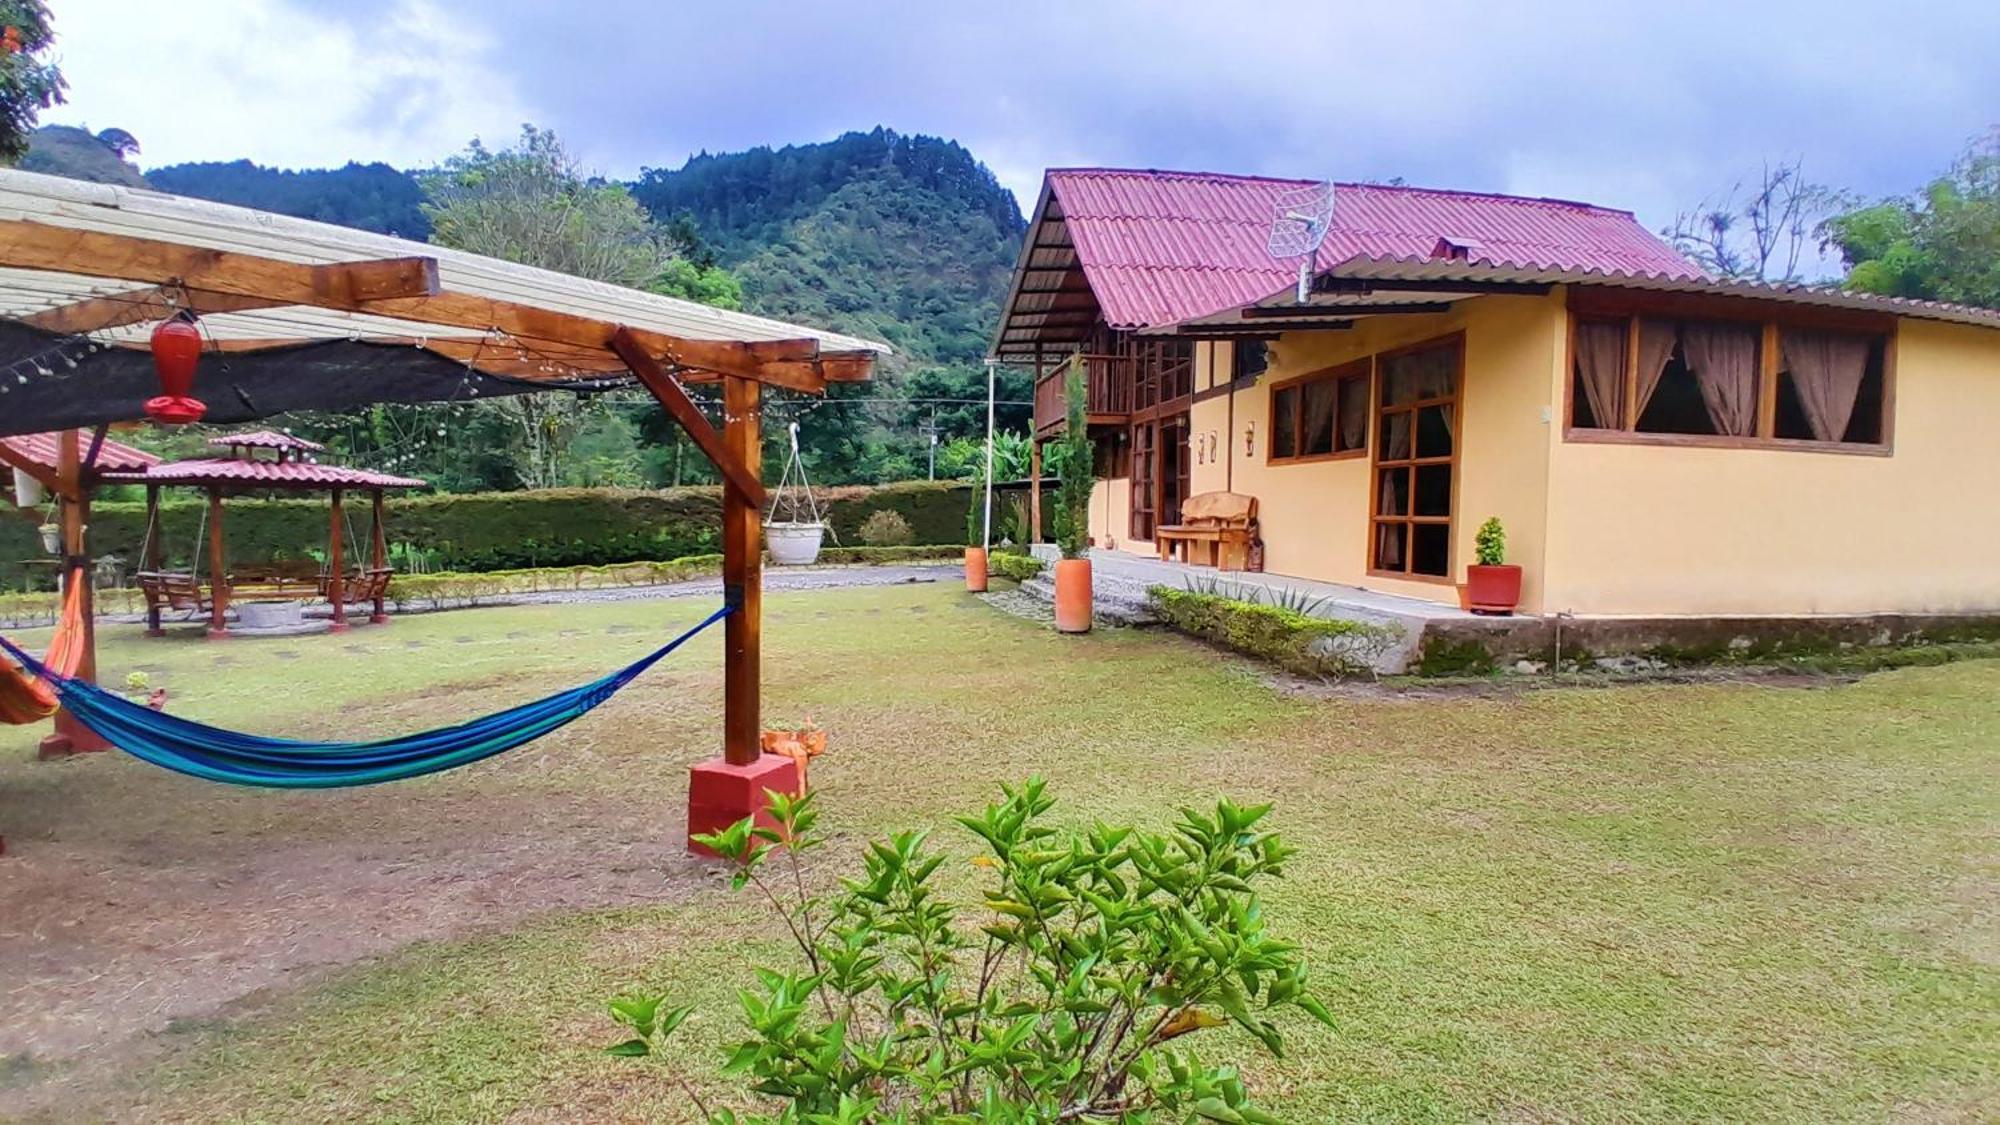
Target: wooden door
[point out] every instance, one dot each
(1145, 477)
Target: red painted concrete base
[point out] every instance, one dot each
(720, 794)
(218, 634)
(378, 619)
(70, 738)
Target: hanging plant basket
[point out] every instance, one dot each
(793, 544)
(51, 538)
(795, 529)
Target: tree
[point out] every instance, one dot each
(1942, 244)
(1763, 235)
(122, 144)
(534, 205)
(28, 83)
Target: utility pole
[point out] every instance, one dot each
(932, 431)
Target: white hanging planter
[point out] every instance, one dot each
(793, 544)
(28, 492)
(794, 540)
(51, 538)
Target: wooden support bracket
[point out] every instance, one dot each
(674, 398)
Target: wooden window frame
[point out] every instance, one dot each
(1411, 463)
(1772, 319)
(1359, 369)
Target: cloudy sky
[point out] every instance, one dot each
(1650, 108)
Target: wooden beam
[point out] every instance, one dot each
(745, 478)
(140, 306)
(379, 540)
(149, 558)
(742, 576)
(371, 287)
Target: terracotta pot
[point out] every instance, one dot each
(1073, 595)
(1493, 589)
(975, 569)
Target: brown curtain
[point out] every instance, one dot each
(1724, 360)
(1656, 348)
(1827, 368)
(1600, 363)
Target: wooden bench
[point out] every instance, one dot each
(170, 590)
(280, 581)
(1216, 529)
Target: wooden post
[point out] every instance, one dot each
(380, 562)
(73, 506)
(218, 569)
(1034, 489)
(742, 575)
(336, 587)
(150, 561)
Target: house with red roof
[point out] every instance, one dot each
(1655, 441)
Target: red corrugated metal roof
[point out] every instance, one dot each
(302, 475)
(1162, 247)
(266, 439)
(113, 457)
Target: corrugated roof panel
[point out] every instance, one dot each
(266, 474)
(1162, 247)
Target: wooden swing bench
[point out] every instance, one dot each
(1216, 529)
(172, 591)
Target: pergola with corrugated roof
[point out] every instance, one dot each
(302, 315)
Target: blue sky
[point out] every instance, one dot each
(1647, 107)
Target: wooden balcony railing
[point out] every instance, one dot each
(1107, 391)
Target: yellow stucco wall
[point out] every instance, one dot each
(1315, 515)
(1611, 529)
(1678, 530)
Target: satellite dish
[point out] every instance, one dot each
(1303, 217)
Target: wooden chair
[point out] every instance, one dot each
(280, 581)
(369, 585)
(170, 590)
(1216, 529)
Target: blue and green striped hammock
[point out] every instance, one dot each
(280, 763)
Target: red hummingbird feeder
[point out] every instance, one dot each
(176, 351)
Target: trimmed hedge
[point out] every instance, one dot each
(448, 588)
(1007, 564)
(490, 531)
(1313, 646)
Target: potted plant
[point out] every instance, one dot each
(1072, 514)
(1492, 584)
(975, 539)
(51, 538)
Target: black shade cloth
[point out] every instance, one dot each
(113, 384)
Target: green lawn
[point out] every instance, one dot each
(1716, 901)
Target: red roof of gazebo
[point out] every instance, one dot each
(298, 476)
(266, 439)
(43, 450)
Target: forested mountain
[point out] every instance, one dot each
(368, 196)
(65, 150)
(907, 238)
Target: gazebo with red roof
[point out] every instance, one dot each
(289, 470)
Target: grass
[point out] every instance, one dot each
(1706, 901)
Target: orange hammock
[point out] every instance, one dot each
(26, 699)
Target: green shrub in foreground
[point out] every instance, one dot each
(1059, 998)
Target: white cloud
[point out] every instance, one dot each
(268, 80)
